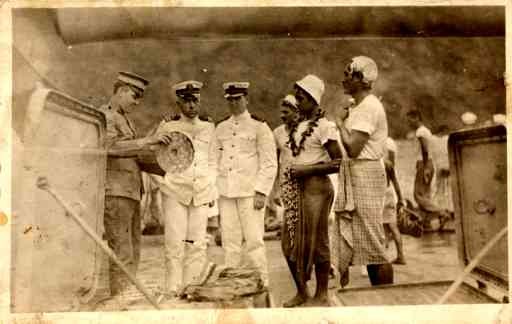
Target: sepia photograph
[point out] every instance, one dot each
(279, 158)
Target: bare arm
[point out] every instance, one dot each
(317, 169)
(396, 185)
(424, 149)
(333, 149)
(276, 188)
(353, 142)
(391, 158)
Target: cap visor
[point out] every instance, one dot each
(189, 96)
(233, 95)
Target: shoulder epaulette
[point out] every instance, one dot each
(223, 119)
(176, 117)
(258, 118)
(203, 118)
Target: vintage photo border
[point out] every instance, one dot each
(500, 313)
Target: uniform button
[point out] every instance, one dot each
(231, 157)
(230, 169)
(233, 145)
(234, 134)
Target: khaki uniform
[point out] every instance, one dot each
(123, 193)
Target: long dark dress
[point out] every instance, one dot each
(308, 202)
(312, 241)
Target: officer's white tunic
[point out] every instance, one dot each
(185, 202)
(247, 162)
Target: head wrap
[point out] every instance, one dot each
(290, 101)
(365, 66)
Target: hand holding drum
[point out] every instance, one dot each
(176, 153)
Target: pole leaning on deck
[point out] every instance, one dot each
(42, 183)
(471, 266)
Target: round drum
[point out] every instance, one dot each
(178, 155)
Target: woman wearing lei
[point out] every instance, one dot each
(316, 153)
(286, 187)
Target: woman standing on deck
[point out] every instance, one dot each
(363, 133)
(314, 144)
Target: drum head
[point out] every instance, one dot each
(178, 155)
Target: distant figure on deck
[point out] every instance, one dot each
(443, 193)
(424, 164)
(392, 201)
(425, 171)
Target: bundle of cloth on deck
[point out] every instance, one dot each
(229, 284)
(410, 221)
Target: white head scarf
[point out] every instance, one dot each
(364, 65)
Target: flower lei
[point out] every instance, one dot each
(311, 125)
(290, 198)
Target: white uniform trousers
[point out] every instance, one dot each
(185, 242)
(240, 222)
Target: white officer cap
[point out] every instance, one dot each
(188, 88)
(235, 89)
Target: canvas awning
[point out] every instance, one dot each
(79, 25)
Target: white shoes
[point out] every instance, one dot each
(364, 271)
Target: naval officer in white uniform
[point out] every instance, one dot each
(247, 167)
(188, 195)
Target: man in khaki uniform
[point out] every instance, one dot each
(247, 167)
(123, 182)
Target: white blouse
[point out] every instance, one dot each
(314, 150)
(369, 117)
